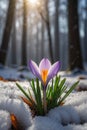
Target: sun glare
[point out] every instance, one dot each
(33, 2)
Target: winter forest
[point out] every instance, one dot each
(43, 64)
(33, 29)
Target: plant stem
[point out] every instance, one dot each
(44, 101)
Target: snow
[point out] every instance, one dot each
(5, 122)
(18, 108)
(76, 127)
(15, 73)
(71, 116)
(76, 99)
(74, 110)
(45, 123)
(65, 115)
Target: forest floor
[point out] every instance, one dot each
(71, 116)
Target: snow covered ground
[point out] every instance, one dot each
(16, 73)
(71, 116)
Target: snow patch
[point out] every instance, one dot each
(18, 108)
(45, 123)
(65, 115)
(5, 122)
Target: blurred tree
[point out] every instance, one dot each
(7, 31)
(56, 33)
(49, 31)
(37, 44)
(24, 34)
(85, 32)
(42, 39)
(13, 46)
(75, 57)
(46, 18)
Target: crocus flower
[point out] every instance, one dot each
(45, 72)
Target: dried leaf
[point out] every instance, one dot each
(82, 78)
(26, 101)
(83, 88)
(2, 79)
(15, 122)
(32, 107)
(62, 103)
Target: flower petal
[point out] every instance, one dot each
(53, 70)
(34, 69)
(44, 64)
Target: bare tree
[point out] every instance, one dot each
(13, 44)
(37, 44)
(42, 39)
(46, 19)
(49, 31)
(56, 32)
(85, 32)
(24, 34)
(7, 31)
(75, 57)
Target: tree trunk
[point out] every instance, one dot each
(85, 32)
(47, 22)
(56, 31)
(49, 32)
(42, 39)
(13, 46)
(37, 44)
(50, 41)
(7, 31)
(75, 57)
(24, 34)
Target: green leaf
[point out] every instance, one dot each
(39, 99)
(23, 91)
(57, 80)
(37, 93)
(62, 83)
(68, 92)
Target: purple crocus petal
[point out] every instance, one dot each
(44, 64)
(34, 69)
(53, 70)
